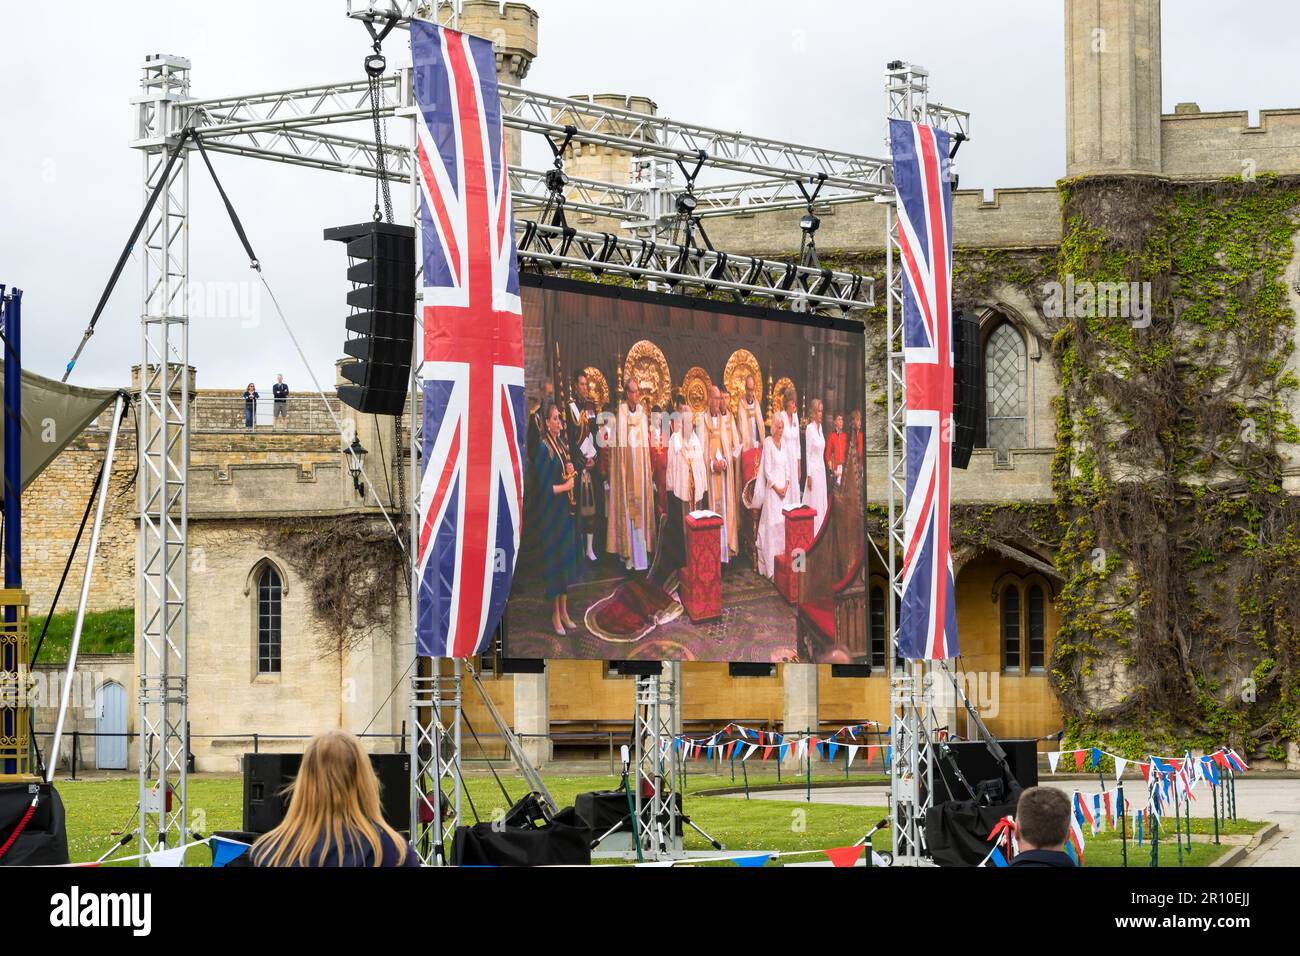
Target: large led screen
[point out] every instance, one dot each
(694, 482)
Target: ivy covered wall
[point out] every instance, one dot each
(1179, 541)
(1172, 525)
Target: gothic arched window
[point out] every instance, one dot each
(1006, 376)
(268, 620)
(1034, 617)
(1011, 628)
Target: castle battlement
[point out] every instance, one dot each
(1196, 145)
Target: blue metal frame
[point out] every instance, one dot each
(11, 319)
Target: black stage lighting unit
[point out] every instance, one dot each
(966, 373)
(381, 267)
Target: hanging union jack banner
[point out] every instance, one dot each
(928, 620)
(471, 489)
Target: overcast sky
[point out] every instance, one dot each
(70, 186)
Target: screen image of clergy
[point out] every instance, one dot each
(693, 482)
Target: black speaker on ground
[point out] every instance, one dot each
(977, 764)
(381, 267)
(966, 374)
(266, 776)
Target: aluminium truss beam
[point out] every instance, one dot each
(782, 283)
(163, 454)
(435, 747)
(912, 770)
(271, 121)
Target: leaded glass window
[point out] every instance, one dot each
(268, 621)
(1011, 628)
(1006, 375)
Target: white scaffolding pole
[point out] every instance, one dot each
(84, 599)
(165, 389)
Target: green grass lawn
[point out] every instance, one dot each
(98, 806)
(104, 632)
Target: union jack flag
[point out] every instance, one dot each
(471, 489)
(928, 619)
(1074, 844)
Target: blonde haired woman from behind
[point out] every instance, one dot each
(334, 817)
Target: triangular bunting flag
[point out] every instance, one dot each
(223, 850)
(1079, 756)
(845, 855)
(1053, 757)
(1120, 764)
(760, 860)
(173, 857)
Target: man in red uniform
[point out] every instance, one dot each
(836, 448)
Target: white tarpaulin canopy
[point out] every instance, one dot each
(52, 415)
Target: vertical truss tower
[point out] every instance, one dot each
(164, 447)
(911, 773)
(654, 776)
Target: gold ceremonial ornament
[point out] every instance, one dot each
(777, 402)
(695, 386)
(648, 367)
(596, 384)
(740, 366)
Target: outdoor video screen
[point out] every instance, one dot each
(694, 486)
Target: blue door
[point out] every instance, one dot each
(110, 727)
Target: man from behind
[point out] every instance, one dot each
(1043, 824)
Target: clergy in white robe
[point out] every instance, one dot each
(774, 477)
(687, 476)
(722, 459)
(814, 495)
(790, 445)
(749, 415)
(631, 495)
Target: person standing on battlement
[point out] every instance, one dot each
(281, 393)
(250, 404)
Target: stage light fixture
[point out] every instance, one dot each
(556, 180)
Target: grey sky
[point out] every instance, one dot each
(70, 187)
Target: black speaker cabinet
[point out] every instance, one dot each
(976, 764)
(966, 385)
(266, 776)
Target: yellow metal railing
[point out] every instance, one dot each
(16, 684)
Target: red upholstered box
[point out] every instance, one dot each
(701, 580)
(798, 537)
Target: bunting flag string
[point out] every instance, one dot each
(841, 856)
(750, 741)
(766, 738)
(1192, 768)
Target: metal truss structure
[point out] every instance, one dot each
(702, 271)
(164, 448)
(299, 126)
(654, 777)
(435, 739)
(911, 777)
